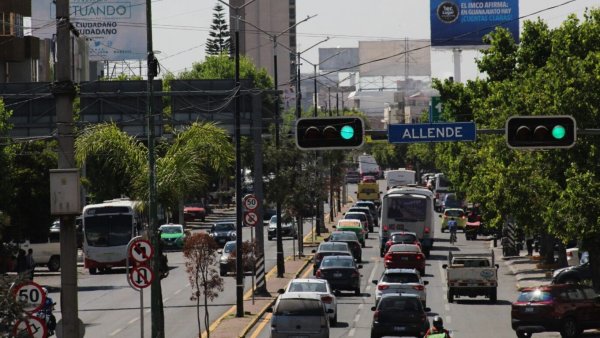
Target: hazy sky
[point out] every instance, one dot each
(181, 27)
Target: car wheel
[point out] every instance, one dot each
(367, 235)
(450, 296)
(494, 296)
(443, 230)
(54, 263)
(359, 259)
(422, 272)
(426, 252)
(93, 271)
(374, 335)
(333, 321)
(270, 238)
(357, 292)
(569, 328)
(222, 272)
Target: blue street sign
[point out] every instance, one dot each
(431, 132)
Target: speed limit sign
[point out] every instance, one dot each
(30, 295)
(250, 202)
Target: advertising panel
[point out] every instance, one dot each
(408, 58)
(465, 22)
(332, 59)
(115, 29)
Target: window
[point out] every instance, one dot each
(400, 278)
(535, 296)
(299, 307)
(575, 294)
(407, 209)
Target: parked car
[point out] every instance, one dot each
(222, 232)
(362, 217)
(349, 238)
(341, 272)
(572, 274)
(299, 315)
(372, 207)
(401, 281)
(329, 249)
(317, 287)
(456, 214)
(399, 314)
(172, 236)
(367, 212)
(194, 212)
(288, 229)
(407, 256)
(567, 308)
(353, 225)
(400, 237)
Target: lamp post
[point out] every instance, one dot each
(239, 275)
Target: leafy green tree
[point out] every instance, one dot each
(220, 37)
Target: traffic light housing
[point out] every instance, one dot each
(330, 133)
(541, 132)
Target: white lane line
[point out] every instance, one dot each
(148, 311)
(166, 299)
(356, 318)
(177, 292)
(115, 332)
(372, 276)
(368, 288)
(360, 307)
(133, 320)
(351, 333)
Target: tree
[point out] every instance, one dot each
(220, 37)
(200, 252)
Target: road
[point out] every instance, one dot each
(109, 307)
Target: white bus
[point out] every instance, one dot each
(441, 188)
(400, 177)
(107, 228)
(408, 209)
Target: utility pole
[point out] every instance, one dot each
(64, 92)
(156, 303)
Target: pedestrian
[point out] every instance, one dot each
(30, 262)
(21, 263)
(529, 243)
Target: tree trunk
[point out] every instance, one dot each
(548, 249)
(594, 256)
(562, 255)
(206, 317)
(198, 307)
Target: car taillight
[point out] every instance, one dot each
(570, 253)
(382, 287)
(427, 230)
(386, 227)
(419, 287)
(327, 299)
(419, 256)
(355, 273)
(318, 273)
(388, 243)
(376, 315)
(388, 257)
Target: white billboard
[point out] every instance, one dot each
(395, 58)
(115, 29)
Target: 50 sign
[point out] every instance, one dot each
(30, 295)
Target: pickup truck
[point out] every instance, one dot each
(46, 253)
(472, 275)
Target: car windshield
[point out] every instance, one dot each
(299, 307)
(307, 287)
(400, 278)
(171, 230)
(535, 296)
(229, 247)
(341, 262)
(407, 209)
(399, 304)
(224, 227)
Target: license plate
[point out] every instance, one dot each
(337, 275)
(404, 258)
(529, 309)
(222, 240)
(399, 328)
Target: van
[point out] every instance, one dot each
(299, 315)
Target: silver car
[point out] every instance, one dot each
(318, 287)
(299, 315)
(401, 281)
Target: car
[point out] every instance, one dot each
(367, 212)
(399, 314)
(456, 214)
(172, 236)
(222, 232)
(451, 201)
(349, 238)
(318, 287)
(573, 274)
(288, 229)
(400, 237)
(341, 272)
(401, 281)
(362, 217)
(353, 225)
(352, 177)
(567, 308)
(267, 214)
(194, 212)
(408, 256)
(372, 207)
(299, 315)
(369, 179)
(328, 249)
(227, 259)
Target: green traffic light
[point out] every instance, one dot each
(558, 132)
(347, 132)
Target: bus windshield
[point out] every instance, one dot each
(108, 230)
(407, 209)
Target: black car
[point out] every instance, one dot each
(372, 207)
(572, 274)
(349, 238)
(341, 272)
(399, 314)
(329, 249)
(223, 232)
(367, 212)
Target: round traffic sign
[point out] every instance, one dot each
(250, 202)
(141, 250)
(250, 218)
(33, 327)
(141, 276)
(30, 295)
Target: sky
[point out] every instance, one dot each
(181, 27)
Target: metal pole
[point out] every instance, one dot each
(64, 91)
(298, 90)
(254, 258)
(280, 259)
(239, 275)
(317, 199)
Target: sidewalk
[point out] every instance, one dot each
(525, 269)
(229, 326)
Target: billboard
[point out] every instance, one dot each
(395, 58)
(115, 29)
(332, 59)
(465, 22)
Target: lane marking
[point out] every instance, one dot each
(357, 317)
(133, 320)
(368, 288)
(177, 292)
(166, 299)
(115, 332)
(360, 307)
(261, 326)
(351, 333)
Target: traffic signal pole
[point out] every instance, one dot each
(280, 258)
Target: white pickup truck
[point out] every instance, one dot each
(472, 275)
(46, 253)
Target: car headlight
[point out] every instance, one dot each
(232, 234)
(224, 259)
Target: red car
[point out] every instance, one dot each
(566, 308)
(402, 237)
(194, 212)
(369, 179)
(405, 256)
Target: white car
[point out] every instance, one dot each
(318, 287)
(401, 281)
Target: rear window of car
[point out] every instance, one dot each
(360, 216)
(343, 237)
(333, 246)
(455, 213)
(404, 238)
(535, 296)
(400, 278)
(299, 307)
(307, 287)
(404, 248)
(399, 304)
(338, 261)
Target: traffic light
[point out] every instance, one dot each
(541, 132)
(330, 133)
